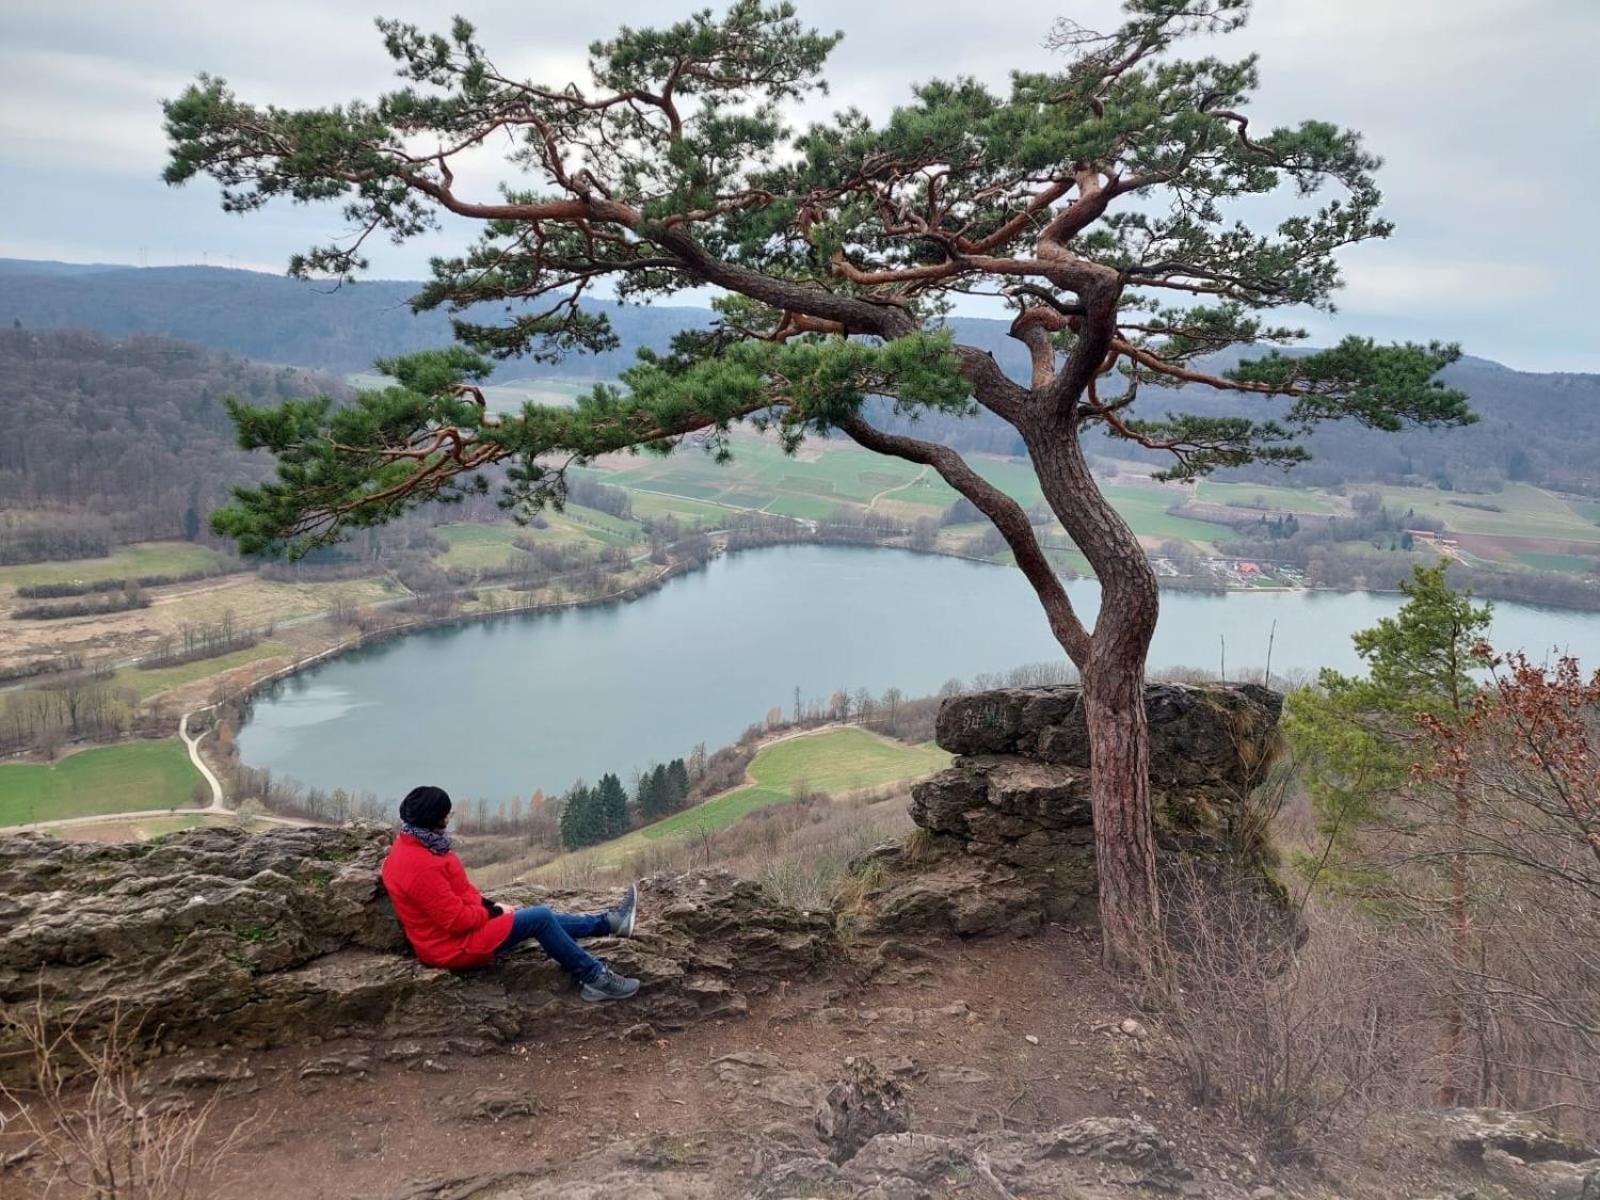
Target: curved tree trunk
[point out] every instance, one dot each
(1113, 691)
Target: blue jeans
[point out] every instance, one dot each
(555, 931)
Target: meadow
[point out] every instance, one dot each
(825, 478)
(834, 761)
(125, 562)
(1518, 511)
(153, 681)
(130, 777)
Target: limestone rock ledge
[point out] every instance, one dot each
(1008, 832)
(216, 937)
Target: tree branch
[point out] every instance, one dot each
(1003, 511)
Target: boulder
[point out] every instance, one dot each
(1201, 736)
(215, 937)
(1009, 824)
(859, 1107)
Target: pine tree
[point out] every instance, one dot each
(645, 798)
(611, 802)
(677, 784)
(581, 821)
(1358, 740)
(1102, 196)
(660, 792)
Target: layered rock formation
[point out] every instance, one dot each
(1009, 833)
(217, 937)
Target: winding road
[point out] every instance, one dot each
(191, 743)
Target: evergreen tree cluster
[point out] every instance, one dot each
(594, 814)
(600, 813)
(663, 790)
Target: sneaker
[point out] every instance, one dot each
(608, 985)
(621, 918)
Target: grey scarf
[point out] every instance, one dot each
(436, 840)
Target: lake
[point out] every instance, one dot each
(501, 707)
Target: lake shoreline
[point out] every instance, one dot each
(642, 589)
(598, 685)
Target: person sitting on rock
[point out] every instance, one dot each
(450, 924)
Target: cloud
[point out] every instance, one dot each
(1480, 108)
(1402, 286)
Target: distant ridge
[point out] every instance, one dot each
(1542, 428)
(47, 266)
(272, 318)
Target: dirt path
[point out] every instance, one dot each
(191, 743)
(921, 475)
(146, 815)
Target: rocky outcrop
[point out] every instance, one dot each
(1201, 736)
(1096, 1158)
(216, 937)
(1517, 1147)
(1009, 836)
(859, 1107)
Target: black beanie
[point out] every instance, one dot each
(425, 807)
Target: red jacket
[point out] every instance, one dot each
(443, 915)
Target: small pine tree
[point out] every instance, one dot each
(660, 791)
(645, 798)
(581, 824)
(611, 802)
(677, 784)
(1358, 739)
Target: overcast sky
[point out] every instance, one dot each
(1487, 113)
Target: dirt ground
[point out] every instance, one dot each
(1005, 1034)
(956, 1028)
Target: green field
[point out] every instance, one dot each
(834, 761)
(163, 679)
(1525, 511)
(474, 547)
(687, 512)
(828, 476)
(1145, 508)
(1262, 495)
(106, 780)
(125, 562)
(601, 526)
(483, 547)
(1571, 563)
(507, 396)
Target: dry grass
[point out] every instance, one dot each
(800, 851)
(1298, 1033)
(251, 603)
(88, 1123)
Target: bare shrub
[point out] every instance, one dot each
(808, 866)
(1508, 802)
(1296, 1031)
(576, 871)
(89, 1124)
(668, 854)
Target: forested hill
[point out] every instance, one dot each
(1542, 429)
(272, 318)
(132, 432)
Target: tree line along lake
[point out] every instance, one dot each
(498, 708)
